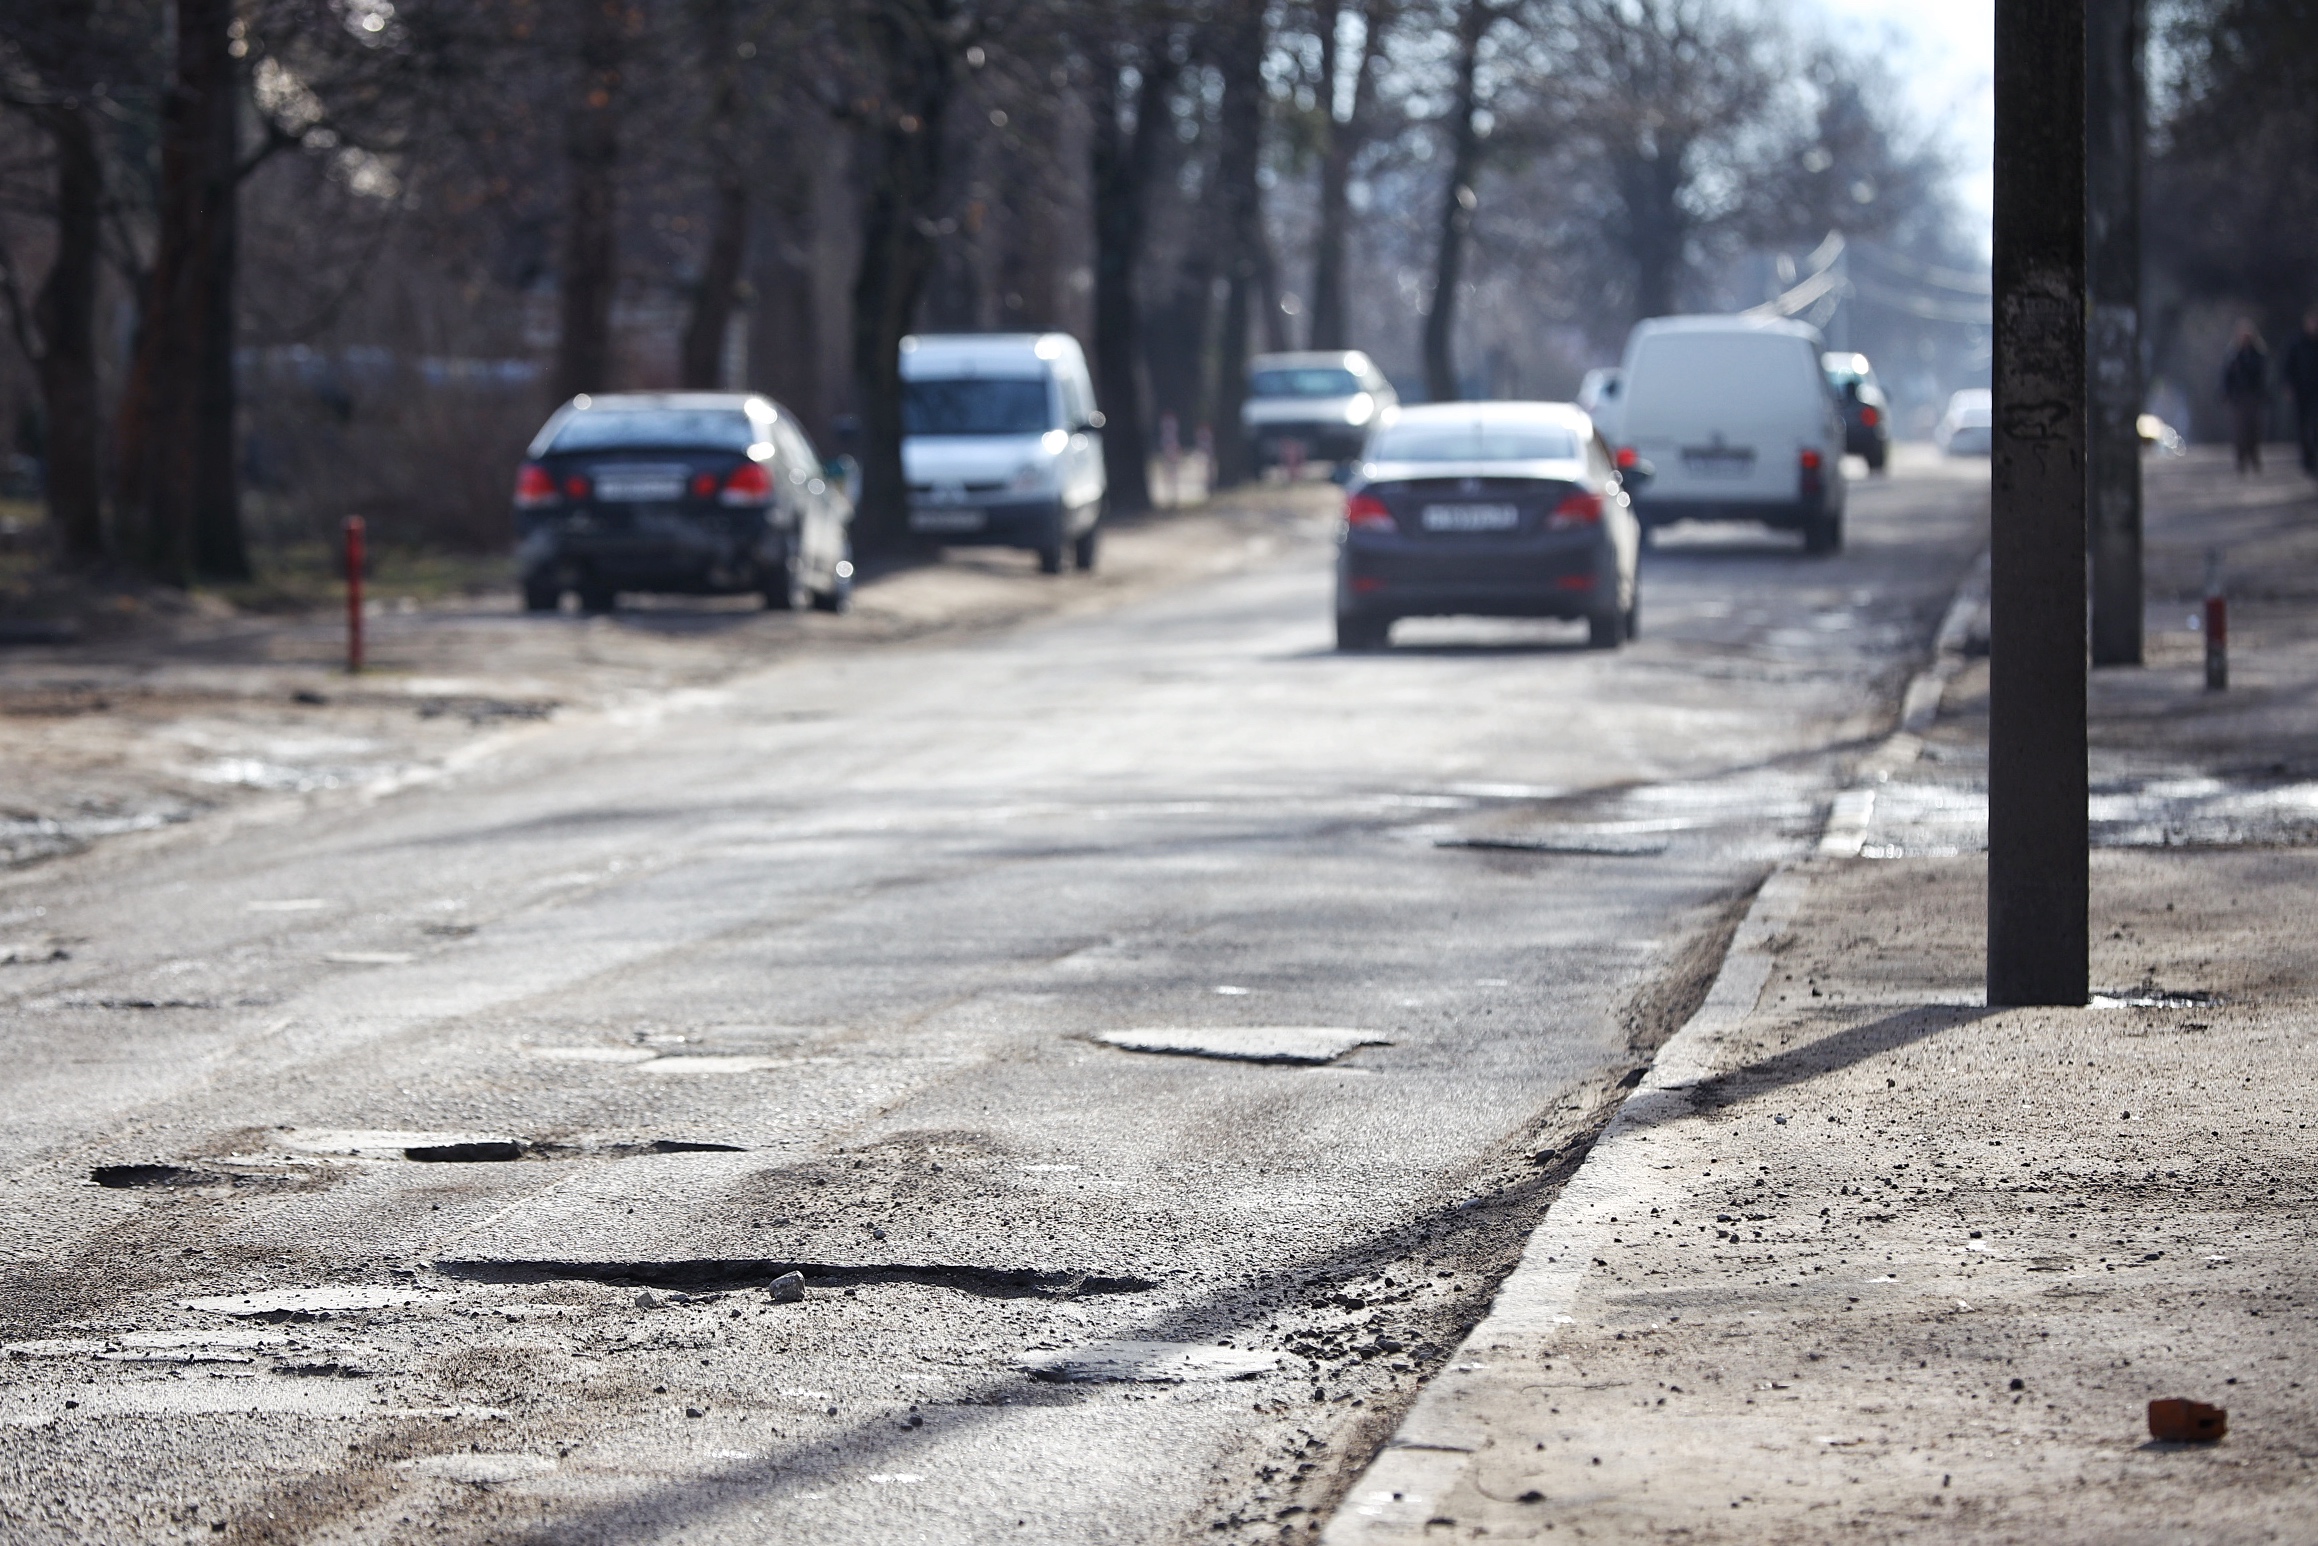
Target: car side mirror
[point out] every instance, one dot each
(1638, 476)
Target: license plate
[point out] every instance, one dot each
(629, 488)
(1719, 461)
(1471, 517)
(948, 520)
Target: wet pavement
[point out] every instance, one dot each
(1148, 1035)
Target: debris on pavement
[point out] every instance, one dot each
(2176, 1421)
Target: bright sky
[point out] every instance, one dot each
(1944, 53)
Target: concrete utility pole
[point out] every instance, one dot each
(2037, 834)
(2116, 120)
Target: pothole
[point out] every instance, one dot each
(1300, 1044)
(124, 1177)
(485, 1151)
(729, 1273)
(2154, 998)
(1146, 1363)
(1575, 842)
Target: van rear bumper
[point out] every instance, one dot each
(1783, 514)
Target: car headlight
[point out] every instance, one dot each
(1029, 478)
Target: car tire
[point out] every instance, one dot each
(1087, 547)
(1877, 458)
(1361, 632)
(1823, 534)
(1050, 552)
(785, 589)
(1649, 535)
(838, 598)
(1605, 630)
(597, 597)
(1633, 619)
(541, 595)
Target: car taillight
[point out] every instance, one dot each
(1810, 461)
(1628, 458)
(577, 486)
(1366, 512)
(749, 484)
(1580, 509)
(704, 485)
(1810, 473)
(534, 486)
(1870, 418)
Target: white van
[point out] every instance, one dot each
(1735, 420)
(1001, 443)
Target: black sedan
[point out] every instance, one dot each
(701, 493)
(1488, 509)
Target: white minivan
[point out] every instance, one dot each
(1735, 421)
(1001, 443)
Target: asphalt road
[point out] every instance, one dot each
(470, 1125)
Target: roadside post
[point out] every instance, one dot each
(2038, 875)
(2116, 124)
(354, 532)
(2216, 625)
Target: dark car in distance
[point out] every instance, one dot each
(697, 493)
(1496, 509)
(1866, 410)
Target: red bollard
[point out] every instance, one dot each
(353, 595)
(2216, 626)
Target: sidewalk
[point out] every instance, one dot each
(1864, 1260)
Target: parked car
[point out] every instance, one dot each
(1600, 394)
(1968, 428)
(1324, 400)
(1736, 419)
(1000, 443)
(1492, 509)
(700, 493)
(1866, 410)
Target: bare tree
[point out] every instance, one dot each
(1239, 38)
(1346, 137)
(1459, 198)
(1126, 157)
(589, 281)
(715, 296)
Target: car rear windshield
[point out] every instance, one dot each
(1318, 381)
(1681, 381)
(1474, 443)
(975, 406)
(612, 429)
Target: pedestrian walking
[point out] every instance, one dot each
(2245, 385)
(2301, 373)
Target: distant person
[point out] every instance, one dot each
(2301, 373)
(2245, 385)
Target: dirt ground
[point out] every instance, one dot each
(175, 707)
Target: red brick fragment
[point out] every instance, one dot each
(2186, 1422)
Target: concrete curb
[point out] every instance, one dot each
(1422, 1462)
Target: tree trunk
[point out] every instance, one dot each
(1457, 204)
(901, 155)
(785, 319)
(219, 550)
(1330, 328)
(590, 275)
(702, 353)
(1650, 186)
(1240, 126)
(65, 316)
(1124, 163)
(161, 417)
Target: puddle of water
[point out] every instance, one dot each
(1247, 1043)
(308, 1304)
(371, 1142)
(1146, 1363)
(368, 957)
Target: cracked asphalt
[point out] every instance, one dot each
(1147, 1035)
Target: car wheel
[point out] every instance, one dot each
(785, 589)
(1634, 616)
(1605, 630)
(1877, 457)
(597, 596)
(1087, 546)
(1050, 551)
(1362, 631)
(838, 598)
(1823, 535)
(541, 595)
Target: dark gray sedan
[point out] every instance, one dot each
(704, 493)
(1491, 510)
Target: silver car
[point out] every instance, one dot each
(1321, 401)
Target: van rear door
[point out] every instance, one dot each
(1723, 416)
